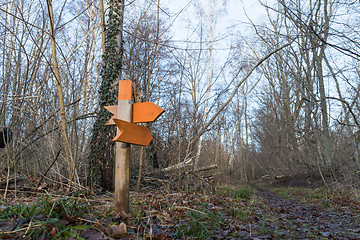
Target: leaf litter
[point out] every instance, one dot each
(230, 213)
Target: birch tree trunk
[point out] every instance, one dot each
(209, 77)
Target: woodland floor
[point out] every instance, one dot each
(241, 212)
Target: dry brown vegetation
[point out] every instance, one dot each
(276, 101)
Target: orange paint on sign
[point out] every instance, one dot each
(113, 109)
(132, 133)
(125, 87)
(146, 112)
(142, 112)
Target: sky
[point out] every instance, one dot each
(233, 18)
(232, 12)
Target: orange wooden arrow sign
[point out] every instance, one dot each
(132, 133)
(113, 110)
(142, 112)
(146, 112)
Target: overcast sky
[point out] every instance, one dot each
(232, 12)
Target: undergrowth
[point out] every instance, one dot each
(229, 213)
(206, 224)
(237, 193)
(48, 217)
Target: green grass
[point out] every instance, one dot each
(195, 226)
(319, 193)
(244, 192)
(239, 213)
(318, 196)
(205, 223)
(326, 203)
(200, 225)
(282, 192)
(46, 214)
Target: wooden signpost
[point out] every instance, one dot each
(126, 114)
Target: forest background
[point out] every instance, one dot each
(277, 96)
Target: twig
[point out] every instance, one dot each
(21, 229)
(187, 208)
(47, 170)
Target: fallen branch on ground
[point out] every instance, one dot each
(183, 164)
(203, 169)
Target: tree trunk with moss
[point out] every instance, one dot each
(102, 147)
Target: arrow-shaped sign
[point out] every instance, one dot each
(113, 109)
(142, 112)
(146, 112)
(132, 133)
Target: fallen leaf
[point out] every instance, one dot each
(115, 231)
(71, 219)
(91, 234)
(8, 226)
(53, 232)
(325, 234)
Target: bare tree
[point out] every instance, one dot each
(68, 151)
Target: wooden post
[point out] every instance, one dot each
(122, 151)
(125, 114)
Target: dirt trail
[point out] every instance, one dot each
(301, 220)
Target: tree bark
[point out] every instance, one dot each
(102, 149)
(209, 77)
(65, 139)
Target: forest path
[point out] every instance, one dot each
(308, 216)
